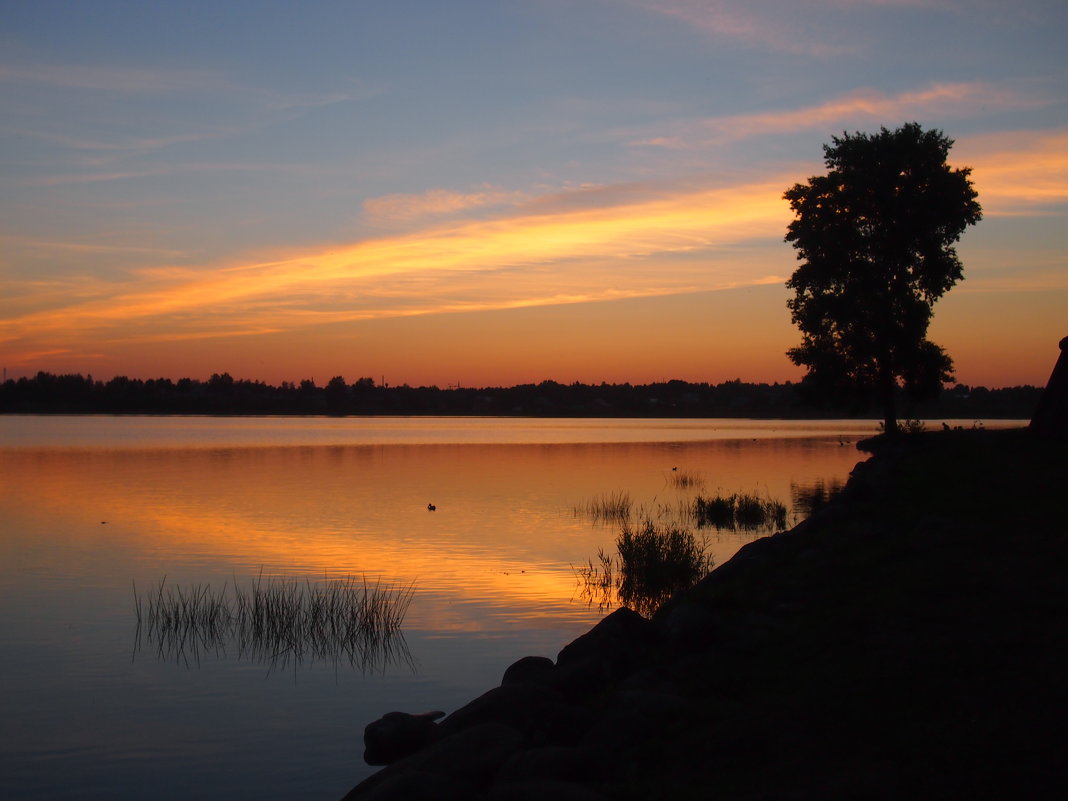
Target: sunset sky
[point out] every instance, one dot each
(496, 192)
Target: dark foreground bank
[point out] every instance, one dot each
(907, 642)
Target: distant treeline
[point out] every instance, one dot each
(46, 393)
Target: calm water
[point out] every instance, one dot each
(89, 506)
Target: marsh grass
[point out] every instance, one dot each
(613, 507)
(811, 498)
(653, 561)
(717, 511)
(277, 621)
(656, 552)
(598, 580)
(739, 511)
(685, 479)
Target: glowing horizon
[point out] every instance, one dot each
(577, 242)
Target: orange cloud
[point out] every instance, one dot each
(606, 243)
(942, 99)
(407, 207)
(1020, 172)
(597, 245)
(739, 22)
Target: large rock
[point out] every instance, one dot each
(397, 734)
(554, 763)
(689, 624)
(620, 644)
(462, 765)
(411, 785)
(633, 718)
(529, 670)
(538, 713)
(543, 791)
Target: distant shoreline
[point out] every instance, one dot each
(223, 395)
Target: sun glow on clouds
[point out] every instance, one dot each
(589, 245)
(1019, 173)
(601, 244)
(489, 247)
(864, 107)
(402, 208)
(744, 24)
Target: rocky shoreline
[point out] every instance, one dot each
(907, 641)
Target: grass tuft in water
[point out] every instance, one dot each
(685, 479)
(811, 498)
(739, 511)
(653, 562)
(277, 621)
(613, 507)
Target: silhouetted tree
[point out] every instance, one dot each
(337, 394)
(875, 235)
(221, 383)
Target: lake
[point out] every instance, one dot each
(96, 510)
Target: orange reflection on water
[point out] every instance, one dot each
(498, 550)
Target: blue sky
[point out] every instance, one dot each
(517, 190)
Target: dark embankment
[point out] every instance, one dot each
(908, 642)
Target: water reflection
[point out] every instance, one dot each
(176, 431)
(85, 514)
(278, 622)
(813, 496)
(497, 551)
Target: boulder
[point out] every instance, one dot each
(542, 791)
(537, 712)
(688, 623)
(620, 644)
(554, 763)
(395, 735)
(634, 718)
(529, 670)
(411, 785)
(462, 764)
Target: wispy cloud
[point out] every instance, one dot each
(1020, 172)
(586, 245)
(165, 169)
(86, 247)
(112, 79)
(93, 131)
(864, 106)
(134, 144)
(575, 248)
(799, 29)
(771, 28)
(155, 81)
(404, 208)
(353, 90)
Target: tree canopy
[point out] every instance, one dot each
(875, 236)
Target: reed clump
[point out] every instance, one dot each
(739, 511)
(685, 479)
(612, 507)
(810, 498)
(277, 621)
(653, 561)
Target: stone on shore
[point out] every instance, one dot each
(397, 734)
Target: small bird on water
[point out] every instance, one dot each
(431, 507)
